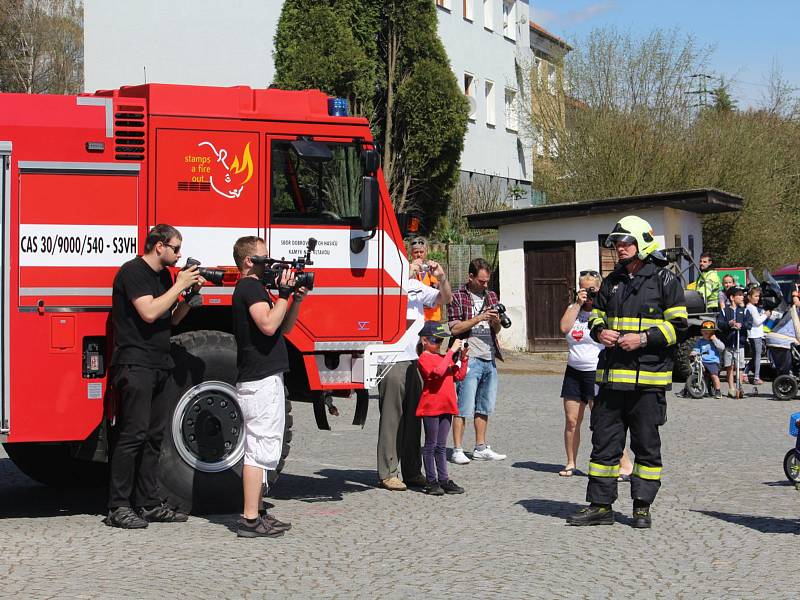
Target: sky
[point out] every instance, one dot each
(747, 37)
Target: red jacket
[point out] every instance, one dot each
(438, 387)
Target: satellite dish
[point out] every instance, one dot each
(473, 106)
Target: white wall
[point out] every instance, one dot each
(584, 231)
(201, 42)
(489, 55)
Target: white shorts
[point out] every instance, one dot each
(263, 407)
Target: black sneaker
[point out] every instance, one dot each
(451, 487)
(432, 488)
(256, 528)
(163, 514)
(592, 515)
(717, 394)
(124, 517)
(641, 518)
(273, 521)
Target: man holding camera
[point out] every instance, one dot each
(145, 305)
(258, 326)
(474, 317)
(419, 253)
(400, 429)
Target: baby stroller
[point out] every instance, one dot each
(784, 387)
(791, 462)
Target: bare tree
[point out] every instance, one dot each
(780, 97)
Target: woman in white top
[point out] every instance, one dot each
(755, 335)
(578, 388)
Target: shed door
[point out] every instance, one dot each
(549, 277)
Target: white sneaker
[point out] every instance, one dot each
(487, 454)
(459, 457)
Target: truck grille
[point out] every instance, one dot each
(129, 133)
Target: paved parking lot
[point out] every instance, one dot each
(725, 522)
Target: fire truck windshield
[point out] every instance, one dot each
(315, 191)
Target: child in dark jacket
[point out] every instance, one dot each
(438, 404)
(734, 321)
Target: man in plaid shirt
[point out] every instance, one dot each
(473, 317)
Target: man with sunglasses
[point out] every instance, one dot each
(145, 305)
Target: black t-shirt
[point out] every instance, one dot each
(258, 355)
(137, 342)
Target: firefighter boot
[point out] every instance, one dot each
(641, 517)
(594, 514)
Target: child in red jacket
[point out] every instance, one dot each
(438, 404)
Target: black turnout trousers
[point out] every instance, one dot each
(615, 412)
(142, 414)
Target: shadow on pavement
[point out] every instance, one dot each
(762, 524)
(21, 497)
(329, 487)
(779, 483)
(541, 467)
(550, 508)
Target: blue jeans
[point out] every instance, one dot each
(755, 362)
(477, 393)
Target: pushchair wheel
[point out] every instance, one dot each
(696, 385)
(784, 387)
(791, 466)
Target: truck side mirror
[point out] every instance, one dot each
(372, 160)
(370, 207)
(370, 196)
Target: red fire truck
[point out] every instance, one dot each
(82, 180)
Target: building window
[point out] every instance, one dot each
(491, 117)
(468, 12)
(488, 15)
(511, 109)
(608, 256)
(510, 19)
(443, 4)
(469, 92)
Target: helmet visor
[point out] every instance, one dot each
(615, 237)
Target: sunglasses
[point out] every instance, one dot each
(175, 249)
(591, 273)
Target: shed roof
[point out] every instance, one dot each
(702, 201)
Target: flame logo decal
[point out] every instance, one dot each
(230, 179)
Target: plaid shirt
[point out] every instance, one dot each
(461, 309)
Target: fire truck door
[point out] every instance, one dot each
(5, 207)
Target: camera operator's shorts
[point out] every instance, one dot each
(263, 408)
(729, 353)
(477, 393)
(578, 385)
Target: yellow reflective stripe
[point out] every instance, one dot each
(676, 312)
(597, 313)
(598, 470)
(651, 473)
(668, 330)
(633, 323)
(597, 317)
(629, 376)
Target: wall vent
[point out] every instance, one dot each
(129, 133)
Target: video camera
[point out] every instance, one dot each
(212, 275)
(273, 271)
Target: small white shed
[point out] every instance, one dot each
(543, 248)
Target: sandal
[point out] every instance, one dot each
(567, 472)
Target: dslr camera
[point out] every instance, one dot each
(274, 269)
(214, 276)
(505, 321)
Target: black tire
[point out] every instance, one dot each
(696, 386)
(784, 387)
(791, 466)
(199, 473)
(682, 368)
(54, 465)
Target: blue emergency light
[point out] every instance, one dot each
(337, 107)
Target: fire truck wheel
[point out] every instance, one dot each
(201, 457)
(53, 465)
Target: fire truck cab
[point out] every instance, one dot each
(84, 177)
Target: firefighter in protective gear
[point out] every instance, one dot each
(708, 283)
(639, 316)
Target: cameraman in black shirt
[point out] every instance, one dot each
(259, 325)
(145, 306)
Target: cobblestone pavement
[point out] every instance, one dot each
(725, 522)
